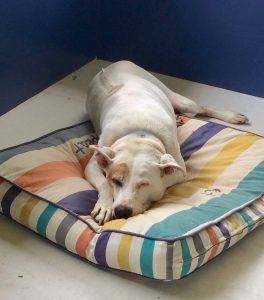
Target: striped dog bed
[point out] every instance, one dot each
(42, 187)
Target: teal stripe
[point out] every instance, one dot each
(146, 258)
(247, 219)
(45, 218)
(186, 257)
(180, 223)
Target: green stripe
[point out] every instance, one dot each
(247, 219)
(186, 257)
(146, 258)
(180, 223)
(45, 218)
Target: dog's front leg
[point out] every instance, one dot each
(103, 209)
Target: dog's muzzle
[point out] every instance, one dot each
(122, 211)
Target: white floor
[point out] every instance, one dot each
(33, 268)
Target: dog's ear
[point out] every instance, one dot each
(168, 164)
(104, 155)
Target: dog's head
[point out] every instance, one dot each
(137, 169)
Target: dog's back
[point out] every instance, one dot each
(122, 99)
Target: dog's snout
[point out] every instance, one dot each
(123, 211)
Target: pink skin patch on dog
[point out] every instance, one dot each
(169, 170)
(101, 160)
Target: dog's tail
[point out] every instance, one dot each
(110, 88)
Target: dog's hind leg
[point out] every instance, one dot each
(182, 104)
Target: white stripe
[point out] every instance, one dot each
(62, 188)
(134, 254)
(159, 260)
(112, 250)
(36, 213)
(177, 260)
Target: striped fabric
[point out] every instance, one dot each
(42, 186)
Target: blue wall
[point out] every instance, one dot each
(41, 42)
(217, 42)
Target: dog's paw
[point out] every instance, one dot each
(103, 211)
(236, 118)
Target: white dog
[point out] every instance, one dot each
(138, 156)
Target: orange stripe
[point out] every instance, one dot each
(83, 241)
(84, 160)
(43, 175)
(1, 180)
(214, 242)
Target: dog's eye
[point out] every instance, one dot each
(141, 184)
(117, 182)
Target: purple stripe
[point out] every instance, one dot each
(198, 138)
(8, 199)
(225, 233)
(100, 248)
(81, 203)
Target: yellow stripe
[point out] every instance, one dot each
(237, 225)
(114, 224)
(215, 166)
(26, 211)
(123, 252)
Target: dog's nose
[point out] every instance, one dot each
(122, 211)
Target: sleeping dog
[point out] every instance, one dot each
(138, 156)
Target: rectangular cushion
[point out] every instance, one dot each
(42, 186)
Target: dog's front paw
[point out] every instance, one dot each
(103, 211)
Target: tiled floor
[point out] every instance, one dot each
(32, 268)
